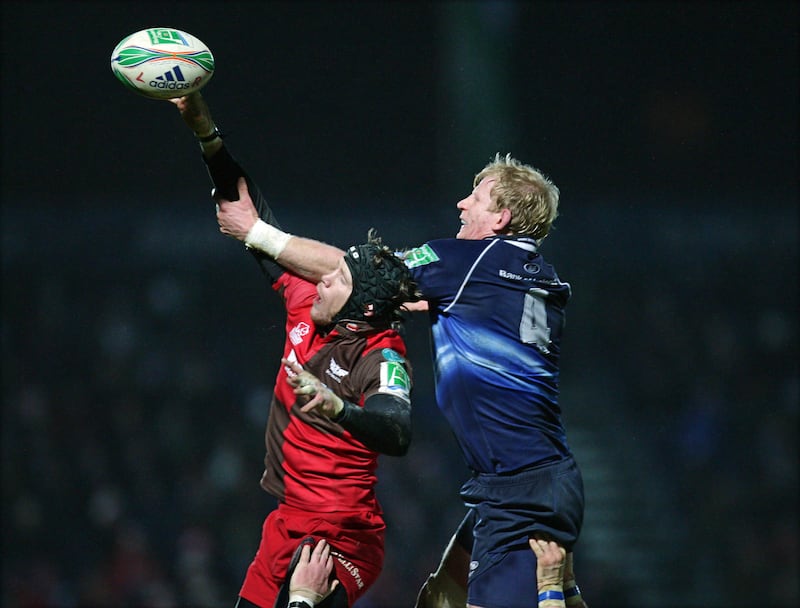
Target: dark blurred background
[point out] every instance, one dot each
(139, 346)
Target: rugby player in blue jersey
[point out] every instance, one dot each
(497, 311)
(496, 308)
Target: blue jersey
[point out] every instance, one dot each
(497, 311)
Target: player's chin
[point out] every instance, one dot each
(319, 315)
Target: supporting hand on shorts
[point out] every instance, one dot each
(554, 572)
(311, 577)
(550, 559)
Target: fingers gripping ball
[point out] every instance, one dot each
(162, 63)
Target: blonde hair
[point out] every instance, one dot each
(531, 197)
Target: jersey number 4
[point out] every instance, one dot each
(533, 327)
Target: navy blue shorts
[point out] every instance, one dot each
(504, 512)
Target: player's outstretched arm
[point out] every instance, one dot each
(197, 116)
(306, 257)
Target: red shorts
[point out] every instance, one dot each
(356, 541)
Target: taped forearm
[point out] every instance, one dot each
(383, 424)
(267, 239)
(225, 172)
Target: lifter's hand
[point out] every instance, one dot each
(321, 398)
(550, 560)
(236, 218)
(311, 576)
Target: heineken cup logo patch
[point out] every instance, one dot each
(166, 36)
(420, 256)
(394, 380)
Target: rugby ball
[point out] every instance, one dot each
(162, 62)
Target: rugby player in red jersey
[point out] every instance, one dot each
(342, 394)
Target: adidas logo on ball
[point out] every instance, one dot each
(172, 80)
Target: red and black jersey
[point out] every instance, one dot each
(323, 476)
(312, 462)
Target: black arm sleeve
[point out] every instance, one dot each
(383, 424)
(225, 171)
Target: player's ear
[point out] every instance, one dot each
(503, 220)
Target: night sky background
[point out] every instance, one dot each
(139, 345)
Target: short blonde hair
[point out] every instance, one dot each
(531, 197)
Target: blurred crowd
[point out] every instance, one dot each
(134, 404)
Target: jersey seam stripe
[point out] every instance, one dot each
(469, 274)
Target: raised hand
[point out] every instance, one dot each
(195, 113)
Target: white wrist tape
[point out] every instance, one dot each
(265, 237)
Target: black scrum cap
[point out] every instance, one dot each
(381, 283)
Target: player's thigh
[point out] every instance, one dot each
(504, 579)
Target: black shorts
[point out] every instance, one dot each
(504, 512)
